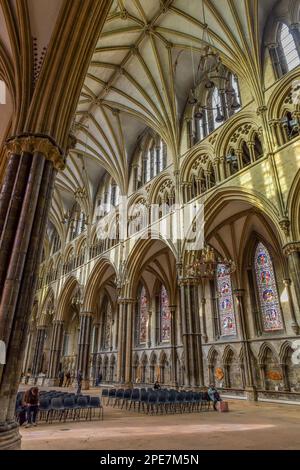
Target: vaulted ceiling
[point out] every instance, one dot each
(145, 62)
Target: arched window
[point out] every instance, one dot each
(225, 301)
(142, 316)
(154, 160)
(289, 48)
(164, 316)
(267, 292)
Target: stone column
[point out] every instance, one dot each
(199, 375)
(130, 308)
(28, 351)
(121, 341)
(292, 251)
(174, 380)
(84, 341)
(251, 150)
(55, 352)
(149, 330)
(191, 333)
(38, 353)
(294, 324)
(250, 388)
(222, 168)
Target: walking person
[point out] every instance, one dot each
(214, 396)
(68, 379)
(61, 377)
(31, 402)
(79, 382)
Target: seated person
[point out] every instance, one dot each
(156, 386)
(31, 402)
(214, 395)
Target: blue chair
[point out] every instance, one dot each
(119, 396)
(69, 407)
(179, 401)
(56, 409)
(94, 404)
(111, 395)
(152, 402)
(162, 401)
(135, 398)
(44, 409)
(104, 394)
(82, 407)
(126, 398)
(143, 400)
(171, 400)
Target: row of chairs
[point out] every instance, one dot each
(150, 401)
(62, 406)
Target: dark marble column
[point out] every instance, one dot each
(21, 248)
(192, 343)
(125, 340)
(249, 373)
(83, 358)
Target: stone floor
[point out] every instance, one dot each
(247, 426)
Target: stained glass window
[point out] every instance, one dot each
(143, 316)
(267, 290)
(165, 316)
(225, 301)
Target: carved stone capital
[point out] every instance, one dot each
(293, 247)
(37, 143)
(285, 226)
(261, 110)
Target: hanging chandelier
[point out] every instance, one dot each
(211, 71)
(203, 265)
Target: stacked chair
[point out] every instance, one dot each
(154, 401)
(60, 406)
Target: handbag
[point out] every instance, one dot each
(223, 406)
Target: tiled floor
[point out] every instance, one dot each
(246, 426)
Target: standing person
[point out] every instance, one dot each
(28, 374)
(79, 382)
(99, 379)
(214, 396)
(31, 402)
(61, 377)
(68, 379)
(156, 386)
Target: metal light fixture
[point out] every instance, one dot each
(203, 265)
(211, 72)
